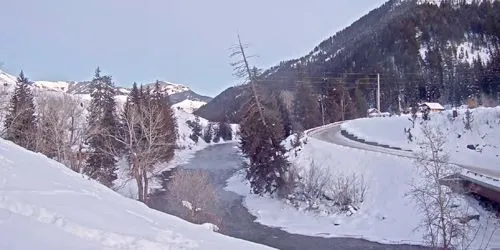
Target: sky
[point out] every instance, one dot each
(181, 41)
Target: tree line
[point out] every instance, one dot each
(91, 140)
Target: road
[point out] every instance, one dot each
(332, 134)
(221, 162)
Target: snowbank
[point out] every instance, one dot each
(44, 205)
(484, 134)
(387, 215)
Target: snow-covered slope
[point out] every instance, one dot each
(44, 205)
(171, 88)
(59, 86)
(6, 78)
(189, 105)
(484, 134)
(387, 214)
(178, 92)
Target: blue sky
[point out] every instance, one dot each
(182, 41)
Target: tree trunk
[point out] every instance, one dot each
(145, 188)
(138, 178)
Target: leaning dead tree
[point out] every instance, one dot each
(242, 70)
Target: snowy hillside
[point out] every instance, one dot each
(82, 89)
(44, 205)
(188, 106)
(171, 88)
(386, 215)
(484, 134)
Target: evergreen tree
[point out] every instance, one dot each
(262, 146)
(168, 123)
(360, 103)
(208, 133)
(103, 129)
(224, 131)
(305, 108)
(285, 116)
(196, 129)
(20, 121)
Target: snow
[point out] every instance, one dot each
(433, 105)
(423, 51)
(387, 215)
(189, 106)
(172, 88)
(7, 79)
(59, 86)
(44, 205)
(485, 133)
(467, 52)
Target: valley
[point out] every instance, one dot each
(305, 125)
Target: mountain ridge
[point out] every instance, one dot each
(444, 51)
(177, 92)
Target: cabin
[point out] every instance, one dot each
(431, 106)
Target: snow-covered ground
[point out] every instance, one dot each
(188, 105)
(45, 205)
(484, 134)
(386, 215)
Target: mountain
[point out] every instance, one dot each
(446, 51)
(177, 92)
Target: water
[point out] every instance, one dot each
(220, 162)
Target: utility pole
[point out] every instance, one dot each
(378, 92)
(342, 105)
(252, 84)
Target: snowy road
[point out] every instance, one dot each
(221, 162)
(332, 133)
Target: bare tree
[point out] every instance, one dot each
(145, 138)
(445, 222)
(193, 190)
(61, 126)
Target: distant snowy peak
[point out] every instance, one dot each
(6, 78)
(171, 88)
(189, 106)
(58, 86)
(177, 92)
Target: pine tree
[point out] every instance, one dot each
(196, 129)
(305, 108)
(103, 129)
(285, 116)
(168, 126)
(20, 121)
(262, 146)
(224, 131)
(208, 133)
(360, 103)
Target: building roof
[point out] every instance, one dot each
(433, 105)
